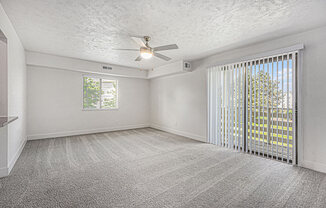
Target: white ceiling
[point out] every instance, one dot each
(89, 29)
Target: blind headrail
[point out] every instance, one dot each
(262, 55)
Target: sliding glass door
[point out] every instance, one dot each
(251, 106)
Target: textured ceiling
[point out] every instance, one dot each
(89, 29)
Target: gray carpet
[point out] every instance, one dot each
(151, 168)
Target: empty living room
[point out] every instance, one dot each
(162, 103)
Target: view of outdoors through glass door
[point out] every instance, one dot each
(251, 106)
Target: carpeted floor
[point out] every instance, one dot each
(151, 168)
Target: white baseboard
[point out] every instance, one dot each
(87, 131)
(320, 167)
(3, 172)
(16, 156)
(6, 170)
(178, 132)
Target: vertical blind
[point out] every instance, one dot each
(252, 106)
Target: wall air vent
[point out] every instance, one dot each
(107, 67)
(186, 66)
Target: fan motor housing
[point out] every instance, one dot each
(146, 50)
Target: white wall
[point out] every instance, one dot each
(172, 95)
(3, 151)
(3, 76)
(16, 131)
(55, 104)
(178, 104)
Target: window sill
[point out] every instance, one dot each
(109, 109)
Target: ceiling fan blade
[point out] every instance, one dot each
(139, 41)
(158, 55)
(166, 47)
(122, 49)
(139, 58)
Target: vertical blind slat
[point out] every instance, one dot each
(223, 106)
(252, 106)
(282, 105)
(212, 104)
(250, 101)
(238, 105)
(232, 106)
(245, 106)
(259, 101)
(209, 105)
(220, 104)
(263, 105)
(255, 107)
(242, 107)
(217, 108)
(229, 105)
(277, 112)
(288, 107)
(272, 114)
(294, 106)
(236, 108)
(267, 106)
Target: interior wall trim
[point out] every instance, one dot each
(16, 156)
(3, 172)
(86, 131)
(314, 166)
(179, 132)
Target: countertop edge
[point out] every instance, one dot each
(8, 119)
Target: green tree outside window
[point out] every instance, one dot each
(99, 93)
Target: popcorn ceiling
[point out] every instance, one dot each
(89, 29)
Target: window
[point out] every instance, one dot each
(252, 106)
(99, 93)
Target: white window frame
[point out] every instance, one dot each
(99, 109)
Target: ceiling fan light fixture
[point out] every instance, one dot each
(146, 53)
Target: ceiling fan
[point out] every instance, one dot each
(146, 52)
